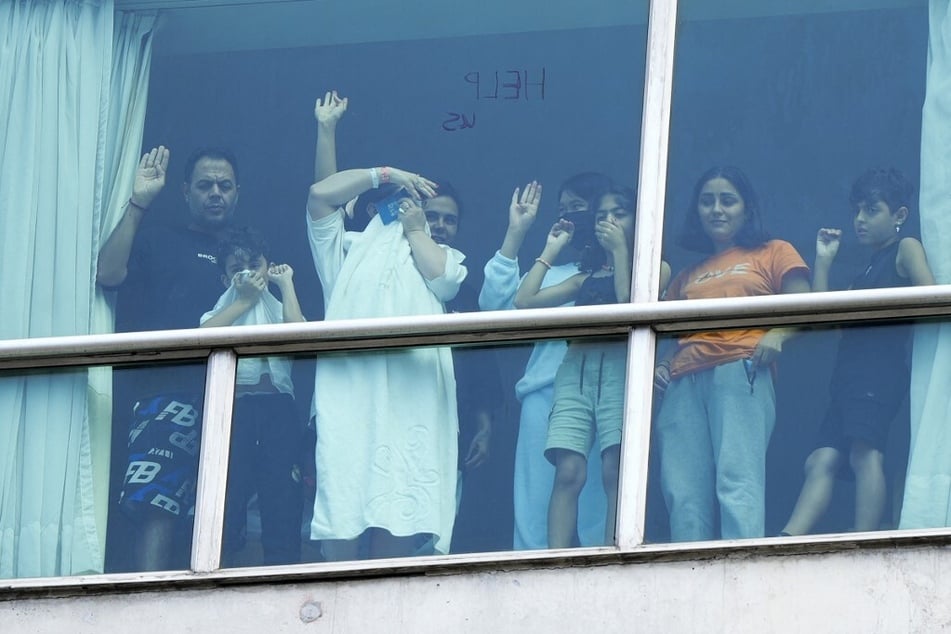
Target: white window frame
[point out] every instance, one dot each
(641, 321)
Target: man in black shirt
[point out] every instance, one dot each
(167, 277)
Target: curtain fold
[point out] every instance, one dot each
(119, 152)
(927, 498)
(63, 114)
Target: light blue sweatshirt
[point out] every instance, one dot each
(502, 278)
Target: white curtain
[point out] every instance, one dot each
(121, 145)
(927, 499)
(64, 108)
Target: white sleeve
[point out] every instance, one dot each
(447, 285)
(226, 299)
(326, 238)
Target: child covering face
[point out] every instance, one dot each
(265, 429)
(589, 384)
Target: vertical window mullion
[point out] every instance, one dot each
(635, 441)
(655, 128)
(652, 183)
(213, 463)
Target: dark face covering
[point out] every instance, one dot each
(584, 229)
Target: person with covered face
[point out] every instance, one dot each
(386, 422)
(588, 406)
(534, 474)
(265, 431)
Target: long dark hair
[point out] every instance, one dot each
(590, 186)
(750, 236)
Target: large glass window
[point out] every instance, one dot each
(67, 508)
(538, 93)
(810, 166)
(341, 162)
(426, 451)
(777, 142)
(468, 139)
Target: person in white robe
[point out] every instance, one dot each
(386, 421)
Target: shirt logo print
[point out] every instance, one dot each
(737, 269)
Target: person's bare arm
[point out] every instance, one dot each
(612, 239)
(331, 193)
(771, 344)
(530, 293)
(328, 113)
(478, 451)
(913, 263)
(430, 258)
(827, 246)
(112, 267)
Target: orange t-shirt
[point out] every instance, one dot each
(737, 272)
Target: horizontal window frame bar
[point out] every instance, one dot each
(485, 328)
(117, 583)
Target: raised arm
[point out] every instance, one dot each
(501, 271)
(112, 266)
(530, 293)
(522, 212)
(827, 246)
(328, 113)
(333, 192)
(283, 277)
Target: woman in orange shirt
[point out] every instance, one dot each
(719, 406)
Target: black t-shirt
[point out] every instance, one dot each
(173, 280)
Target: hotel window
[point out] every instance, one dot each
(564, 150)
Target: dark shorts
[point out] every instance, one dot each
(164, 439)
(858, 416)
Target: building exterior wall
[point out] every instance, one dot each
(874, 589)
